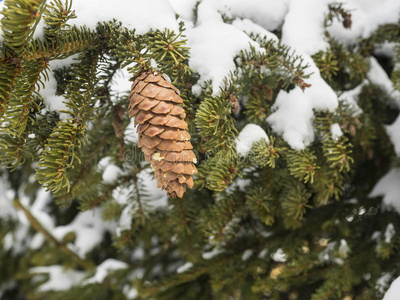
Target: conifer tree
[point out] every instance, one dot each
(276, 208)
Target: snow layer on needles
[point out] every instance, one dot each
(89, 229)
(106, 267)
(294, 110)
(7, 210)
(393, 292)
(214, 46)
(293, 116)
(134, 14)
(304, 26)
(250, 134)
(388, 187)
(59, 278)
(366, 16)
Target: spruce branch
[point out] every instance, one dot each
(24, 102)
(62, 145)
(19, 12)
(9, 71)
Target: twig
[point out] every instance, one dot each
(39, 227)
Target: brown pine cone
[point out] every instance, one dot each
(163, 135)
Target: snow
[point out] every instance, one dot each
(247, 254)
(196, 90)
(125, 220)
(388, 187)
(103, 270)
(248, 27)
(130, 292)
(48, 93)
(377, 75)
(158, 197)
(131, 135)
(393, 132)
(382, 283)
(393, 292)
(111, 174)
(263, 253)
(250, 9)
(52, 101)
(344, 249)
(7, 210)
(185, 267)
(366, 16)
(389, 233)
(120, 83)
(250, 134)
(89, 229)
(306, 34)
(279, 256)
(213, 253)
(59, 279)
(214, 45)
(294, 118)
(350, 98)
(184, 8)
(293, 111)
(134, 14)
(336, 131)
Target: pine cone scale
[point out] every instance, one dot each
(147, 104)
(163, 135)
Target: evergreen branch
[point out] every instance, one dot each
(9, 71)
(217, 172)
(216, 124)
(55, 17)
(14, 151)
(87, 265)
(191, 275)
(138, 199)
(19, 22)
(220, 221)
(302, 164)
(106, 193)
(60, 151)
(72, 41)
(23, 103)
(261, 203)
(264, 153)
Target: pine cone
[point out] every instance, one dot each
(163, 135)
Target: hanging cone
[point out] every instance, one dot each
(163, 135)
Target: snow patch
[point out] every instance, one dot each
(89, 229)
(279, 256)
(336, 131)
(250, 134)
(111, 174)
(214, 45)
(393, 132)
(393, 292)
(137, 15)
(303, 28)
(213, 253)
(293, 111)
(389, 233)
(377, 75)
(388, 187)
(59, 278)
(184, 268)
